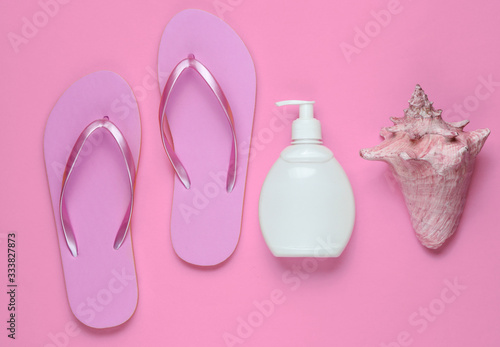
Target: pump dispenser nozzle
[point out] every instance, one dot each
(306, 127)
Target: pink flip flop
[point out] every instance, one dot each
(208, 85)
(91, 144)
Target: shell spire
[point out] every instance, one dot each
(420, 106)
(422, 119)
(432, 161)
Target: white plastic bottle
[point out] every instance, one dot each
(306, 206)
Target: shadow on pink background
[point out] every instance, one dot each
(360, 61)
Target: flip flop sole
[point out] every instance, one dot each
(206, 220)
(101, 281)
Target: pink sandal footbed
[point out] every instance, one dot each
(210, 113)
(91, 145)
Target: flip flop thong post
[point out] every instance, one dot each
(91, 146)
(208, 84)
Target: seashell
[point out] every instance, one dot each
(432, 161)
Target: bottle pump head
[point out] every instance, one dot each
(306, 127)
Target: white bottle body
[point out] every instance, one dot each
(306, 206)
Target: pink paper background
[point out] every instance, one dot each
(375, 294)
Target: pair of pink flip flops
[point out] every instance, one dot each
(92, 145)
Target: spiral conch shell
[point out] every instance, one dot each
(432, 161)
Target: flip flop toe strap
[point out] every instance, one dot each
(192, 63)
(70, 165)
